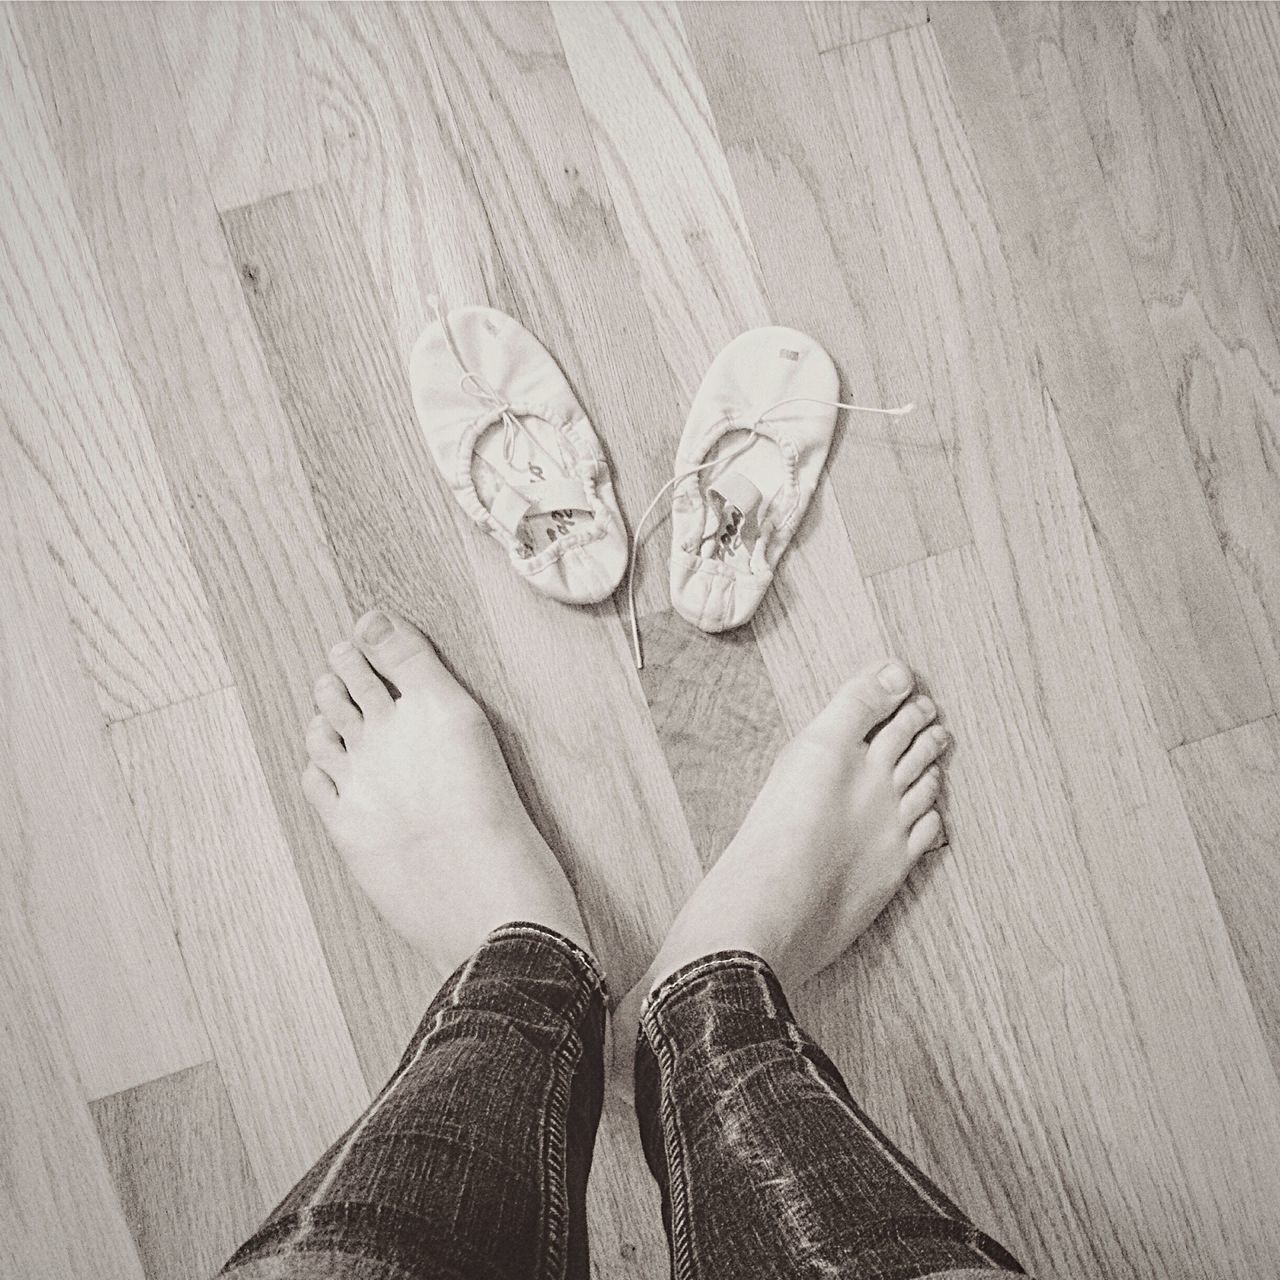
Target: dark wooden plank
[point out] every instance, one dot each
(180, 1172)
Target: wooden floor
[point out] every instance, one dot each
(1053, 227)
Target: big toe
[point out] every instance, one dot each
(868, 699)
(401, 654)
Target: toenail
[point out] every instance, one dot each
(894, 678)
(375, 627)
(340, 649)
(926, 706)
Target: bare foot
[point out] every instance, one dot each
(836, 828)
(416, 795)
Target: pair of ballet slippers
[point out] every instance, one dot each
(524, 462)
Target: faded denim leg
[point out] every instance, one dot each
(472, 1162)
(766, 1165)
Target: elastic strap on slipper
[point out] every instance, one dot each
(634, 552)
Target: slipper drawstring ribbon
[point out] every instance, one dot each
(637, 652)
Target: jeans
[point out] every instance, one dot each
(472, 1162)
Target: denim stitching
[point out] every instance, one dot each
(594, 975)
(676, 981)
(682, 1254)
(554, 1148)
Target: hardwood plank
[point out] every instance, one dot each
(81, 872)
(139, 615)
(1056, 609)
(537, 236)
(506, 640)
(775, 121)
(668, 179)
(1233, 51)
(248, 939)
(58, 1216)
(395, 153)
(1077, 292)
(839, 22)
(568, 274)
(1135, 1195)
(1206, 300)
(653, 130)
(546, 673)
(246, 509)
(249, 114)
(716, 716)
(180, 1171)
(1228, 782)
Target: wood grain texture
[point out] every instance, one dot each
(1204, 295)
(1058, 228)
(180, 1171)
(653, 128)
(246, 509)
(1052, 226)
(1089, 1055)
(715, 713)
(783, 141)
(624, 842)
(249, 942)
(78, 865)
(570, 277)
(1057, 613)
(1233, 51)
(698, 265)
(394, 151)
(138, 612)
(59, 1216)
(250, 116)
(840, 22)
(1228, 782)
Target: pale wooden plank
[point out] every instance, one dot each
(1228, 782)
(1056, 608)
(557, 681)
(1233, 51)
(515, 115)
(138, 611)
(87, 886)
(1141, 1199)
(246, 509)
(672, 186)
(180, 1171)
(841, 22)
(392, 148)
(776, 123)
(248, 111)
(247, 937)
(1205, 298)
(59, 1216)
(1078, 296)
(668, 179)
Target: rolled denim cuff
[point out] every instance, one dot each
(539, 936)
(742, 978)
